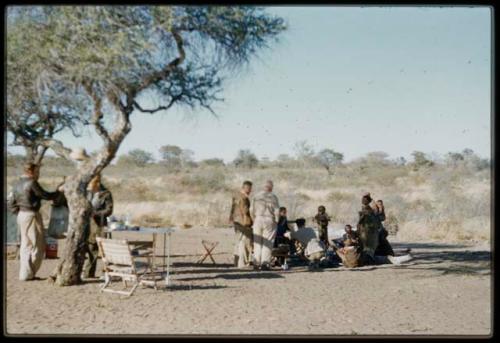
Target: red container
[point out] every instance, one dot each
(50, 247)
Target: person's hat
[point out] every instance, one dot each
(78, 154)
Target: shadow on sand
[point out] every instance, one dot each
(461, 262)
(236, 276)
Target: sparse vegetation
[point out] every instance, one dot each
(435, 202)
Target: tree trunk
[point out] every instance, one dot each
(69, 268)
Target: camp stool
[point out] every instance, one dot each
(209, 247)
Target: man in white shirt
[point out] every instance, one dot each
(265, 212)
(314, 248)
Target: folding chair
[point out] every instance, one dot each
(209, 247)
(119, 262)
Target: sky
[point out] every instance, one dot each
(353, 79)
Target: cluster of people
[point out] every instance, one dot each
(262, 228)
(25, 201)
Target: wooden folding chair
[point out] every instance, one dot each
(119, 262)
(209, 247)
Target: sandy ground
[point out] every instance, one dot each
(445, 290)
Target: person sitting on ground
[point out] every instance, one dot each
(349, 234)
(282, 227)
(281, 239)
(322, 219)
(352, 254)
(314, 249)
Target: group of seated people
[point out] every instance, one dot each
(364, 246)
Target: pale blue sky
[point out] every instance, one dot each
(348, 78)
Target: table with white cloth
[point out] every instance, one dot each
(166, 232)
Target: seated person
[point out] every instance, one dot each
(314, 249)
(349, 234)
(280, 239)
(282, 227)
(351, 255)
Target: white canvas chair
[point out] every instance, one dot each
(119, 262)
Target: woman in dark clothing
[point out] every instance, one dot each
(384, 248)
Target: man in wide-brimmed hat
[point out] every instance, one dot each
(79, 155)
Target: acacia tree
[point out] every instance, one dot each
(116, 57)
(329, 159)
(33, 113)
(137, 157)
(245, 159)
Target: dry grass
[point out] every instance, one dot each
(439, 203)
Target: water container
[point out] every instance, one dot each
(50, 247)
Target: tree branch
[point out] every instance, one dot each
(97, 115)
(159, 108)
(163, 74)
(57, 146)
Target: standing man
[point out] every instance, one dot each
(102, 207)
(25, 201)
(242, 221)
(265, 211)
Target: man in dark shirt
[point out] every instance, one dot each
(102, 207)
(282, 228)
(25, 201)
(322, 219)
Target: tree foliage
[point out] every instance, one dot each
(421, 160)
(246, 159)
(137, 157)
(329, 159)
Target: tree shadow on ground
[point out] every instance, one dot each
(426, 245)
(178, 287)
(239, 276)
(203, 265)
(195, 268)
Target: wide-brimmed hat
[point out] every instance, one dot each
(78, 154)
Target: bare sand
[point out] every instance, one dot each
(445, 290)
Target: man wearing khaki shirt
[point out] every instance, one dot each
(240, 218)
(265, 211)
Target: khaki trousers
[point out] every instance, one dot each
(32, 250)
(243, 245)
(264, 232)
